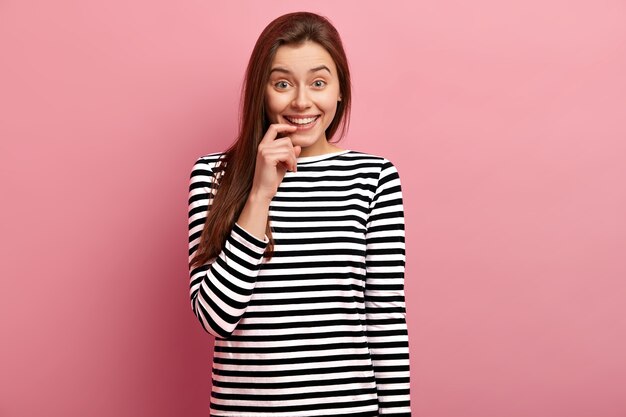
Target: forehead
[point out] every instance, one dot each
(303, 57)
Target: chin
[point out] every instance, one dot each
(304, 142)
(307, 137)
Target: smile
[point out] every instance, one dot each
(301, 121)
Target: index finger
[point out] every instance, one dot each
(275, 129)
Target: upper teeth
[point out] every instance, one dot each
(301, 121)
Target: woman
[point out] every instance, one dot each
(296, 246)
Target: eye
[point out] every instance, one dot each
(319, 83)
(281, 84)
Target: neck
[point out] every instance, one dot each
(324, 149)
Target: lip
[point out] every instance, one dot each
(300, 116)
(305, 127)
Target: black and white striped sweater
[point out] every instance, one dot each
(318, 330)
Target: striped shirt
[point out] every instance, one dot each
(319, 329)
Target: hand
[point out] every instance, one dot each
(274, 157)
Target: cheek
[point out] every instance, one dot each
(269, 103)
(329, 105)
(275, 103)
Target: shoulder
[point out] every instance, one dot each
(209, 160)
(204, 164)
(385, 165)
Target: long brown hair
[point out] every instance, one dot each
(234, 173)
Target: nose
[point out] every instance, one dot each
(302, 99)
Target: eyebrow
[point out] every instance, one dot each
(286, 71)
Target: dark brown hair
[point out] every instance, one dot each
(234, 174)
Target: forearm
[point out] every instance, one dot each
(221, 290)
(389, 346)
(254, 215)
(386, 326)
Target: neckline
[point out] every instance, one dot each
(313, 158)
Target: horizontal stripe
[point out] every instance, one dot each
(319, 329)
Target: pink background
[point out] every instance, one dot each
(506, 121)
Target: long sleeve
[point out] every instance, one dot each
(220, 290)
(384, 295)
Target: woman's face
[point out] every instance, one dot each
(303, 90)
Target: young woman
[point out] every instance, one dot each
(296, 246)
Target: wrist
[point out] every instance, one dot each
(254, 215)
(257, 197)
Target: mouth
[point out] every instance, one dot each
(302, 121)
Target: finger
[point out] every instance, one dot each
(275, 129)
(275, 155)
(282, 157)
(296, 151)
(292, 152)
(285, 141)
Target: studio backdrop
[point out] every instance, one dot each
(505, 121)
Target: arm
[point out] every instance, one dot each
(384, 295)
(220, 290)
